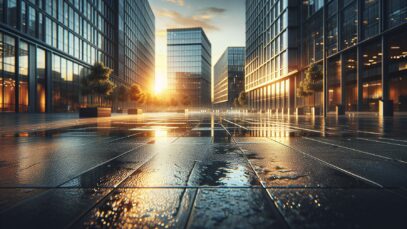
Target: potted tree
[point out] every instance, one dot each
(98, 86)
(310, 85)
(138, 96)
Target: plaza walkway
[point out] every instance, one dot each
(202, 170)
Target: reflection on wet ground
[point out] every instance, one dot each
(202, 170)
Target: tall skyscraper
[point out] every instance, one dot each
(358, 46)
(47, 46)
(136, 43)
(189, 65)
(229, 76)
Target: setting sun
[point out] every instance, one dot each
(160, 83)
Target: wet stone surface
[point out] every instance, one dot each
(202, 170)
(139, 208)
(233, 208)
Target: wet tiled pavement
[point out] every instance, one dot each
(203, 171)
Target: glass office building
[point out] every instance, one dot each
(229, 76)
(189, 65)
(271, 53)
(47, 46)
(359, 46)
(136, 43)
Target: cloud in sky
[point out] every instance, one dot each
(210, 12)
(201, 18)
(178, 2)
(222, 20)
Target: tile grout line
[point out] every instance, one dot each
(277, 213)
(356, 150)
(114, 189)
(330, 165)
(69, 179)
(79, 217)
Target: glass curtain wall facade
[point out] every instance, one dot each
(189, 65)
(229, 77)
(271, 54)
(136, 43)
(47, 46)
(357, 44)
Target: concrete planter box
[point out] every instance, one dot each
(95, 112)
(340, 110)
(315, 111)
(134, 111)
(386, 108)
(299, 111)
(121, 111)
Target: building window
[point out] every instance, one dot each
(349, 25)
(396, 12)
(350, 61)
(23, 58)
(397, 59)
(23, 17)
(370, 21)
(48, 31)
(1, 15)
(313, 6)
(40, 27)
(54, 35)
(58, 88)
(12, 13)
(332, 28)
(9, 82)
(61, 11)
(313, 39)
(9, 55)
(371, 75)
(48, 6)
(334, 83)
(23, 80)
(31, 21)
(41, 82)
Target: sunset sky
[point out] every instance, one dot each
(222, 20)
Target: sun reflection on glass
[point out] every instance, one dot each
(160, 133)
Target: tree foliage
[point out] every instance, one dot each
(186, 100)
(173, 102)
(123, 93)
(136, 93)
(242, 99)
(312, 82)
(236, 103)
(98, 81)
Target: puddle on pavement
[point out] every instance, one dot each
(224, 173)
(226, 149)
(141, 208)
